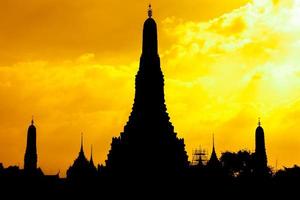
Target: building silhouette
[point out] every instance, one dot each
(260, 156)
(82, 168)
(148, 143)
(92, 165)
(30, 158)
(213, 161)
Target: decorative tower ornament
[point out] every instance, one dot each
(149, 11)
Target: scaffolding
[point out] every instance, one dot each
(199, 157)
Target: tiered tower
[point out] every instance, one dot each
(30, 158)
(261, 162)
(148, 144)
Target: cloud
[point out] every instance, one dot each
(64, 29)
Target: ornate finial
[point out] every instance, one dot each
(149, 11)
(259, 123)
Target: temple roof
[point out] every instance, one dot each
(213, 161)
(81, 160)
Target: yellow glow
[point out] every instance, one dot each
(72, 65)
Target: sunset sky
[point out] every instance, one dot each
(72, 65)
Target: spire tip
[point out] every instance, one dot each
(91, 152)
(81, 145)
(213, 141)
(149, 11)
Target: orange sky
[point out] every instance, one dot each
(72, 64)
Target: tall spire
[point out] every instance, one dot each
(30, 159)
(149, 11)
(91, 160)
(81, 145)
(213, 145)
(92, 165)
(213, 142)
(213, 161)
(149, 125)
(81, 152)
(32, 122)
(261, 161)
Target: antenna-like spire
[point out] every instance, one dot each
(32, 122)
(149, 11)
(91, 152)
(91, 160)
(259, 123)
(213, 142)
(81, 145)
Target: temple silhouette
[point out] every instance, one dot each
(30, 158)
(213, 162)
(148, 149)
(148, 144)
(82, 169)
(261, 162)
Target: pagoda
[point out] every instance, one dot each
(148, 144)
